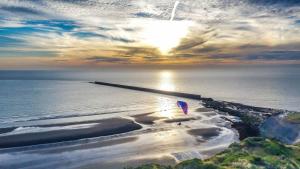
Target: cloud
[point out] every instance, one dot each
(106, 59)
(144, 14)
(20, 10)
(95, 31)
(103, 36)
(252, 52)
(275, 2)
(194, 43)
(129, 51)
(187, 44)
(275, 55)
(207, 49)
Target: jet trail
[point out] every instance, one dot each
(174, 10)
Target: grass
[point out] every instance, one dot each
(252, 153)
(293, 117)
(153, 166)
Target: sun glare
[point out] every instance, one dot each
(166, 74)
(166, 81)
(164, 35)
(166, 108)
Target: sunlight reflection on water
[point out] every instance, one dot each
(166, 107)
(166, 81)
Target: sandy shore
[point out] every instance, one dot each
(146, 118)
(167, 160)
(118, 141)
(205, 133)
(102, 128)
(177, 120)
(86, 146)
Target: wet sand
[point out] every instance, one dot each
(147, 118)
(205, 133)
(115, 143)
(177, 120)
(62, 124)
(167, 160)
(103, 128)
(87, 146)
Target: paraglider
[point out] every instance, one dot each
(183, 105)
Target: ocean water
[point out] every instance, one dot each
(26, 94)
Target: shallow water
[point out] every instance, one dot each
(163, 140)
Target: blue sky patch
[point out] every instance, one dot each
(22, 53)
(65, 25)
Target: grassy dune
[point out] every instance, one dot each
(293, 117)
(252, 153)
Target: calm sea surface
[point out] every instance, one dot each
(48, 94)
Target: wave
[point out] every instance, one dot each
(34, 129)
(53, 117)
(64, 116)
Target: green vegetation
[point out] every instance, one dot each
(252, 153)
(258, 153)
(293, 117)
(153, 166)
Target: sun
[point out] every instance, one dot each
(164, 35)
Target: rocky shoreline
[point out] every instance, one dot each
(258, 121)
(255, 121)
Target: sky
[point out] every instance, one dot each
(95, 33)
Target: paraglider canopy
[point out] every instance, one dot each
(183, 105)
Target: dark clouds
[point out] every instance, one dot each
(274, 55)
(103, 36)
(194, 43)
(127, 51)
(275, 2)
(143, 14)
(103, 59)
(187, 44)
(20, 10)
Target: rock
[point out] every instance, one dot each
(267, 122)
(281, 129)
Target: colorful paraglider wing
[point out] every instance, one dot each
(183, 105)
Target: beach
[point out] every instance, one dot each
(95, 128)
(118, 142)
(60, 120)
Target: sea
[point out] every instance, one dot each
(38, 93)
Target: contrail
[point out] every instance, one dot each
(174, 10)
